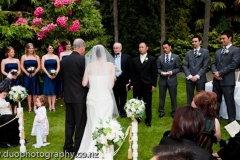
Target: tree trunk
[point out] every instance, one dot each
(115, 20)
(163, 24)
(208, 5)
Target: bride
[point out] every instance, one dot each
(99, 76)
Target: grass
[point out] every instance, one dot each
(148, 137)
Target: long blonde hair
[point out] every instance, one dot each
(27, 47)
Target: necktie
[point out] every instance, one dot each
(167, 59)
(222, 53)
(195, 54)
(117, 62)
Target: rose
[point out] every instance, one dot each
(62, 21)
(75, 27)
(37, 21)
(58, 3)
(31, 69)
(172, 59)
(199, 54)
(21, 20)
(66, 2)
(38, 11)
(52, 72)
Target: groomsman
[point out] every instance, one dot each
(144, 79)
(168, 67)
(226, 60)
(123, 62)
(195, 67)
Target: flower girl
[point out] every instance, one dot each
(40, 124)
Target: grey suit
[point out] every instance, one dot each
(195, 67)
(226, 68)
(168, 82)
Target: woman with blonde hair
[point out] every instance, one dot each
(30, 65)
(11, 64)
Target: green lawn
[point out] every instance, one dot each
(148, 137)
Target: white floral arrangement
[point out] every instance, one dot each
(135, 108)
(52, 72)
(17, 93)
(108, 132)
(31, 69)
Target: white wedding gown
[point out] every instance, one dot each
(100, 102)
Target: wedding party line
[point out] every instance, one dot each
(95, 86)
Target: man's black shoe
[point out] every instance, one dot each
(123, 115)
(161, 115)
(172, 114)
(148, 124)
(138, 120)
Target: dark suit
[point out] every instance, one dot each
(195, 67)
(168, 82)
(201, 154)
(72, 71)
(226, 68)
(144, 76)
(119, 88)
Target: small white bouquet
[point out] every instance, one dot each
(108, 132)
(52, 72)
(134, 108)
(17, 93)
(14, 72)
(31, 69)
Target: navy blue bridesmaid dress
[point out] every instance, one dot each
(50, 85)
(31, 84)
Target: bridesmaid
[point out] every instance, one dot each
(50, 62)
(9, 64)
(30, 65)
(66, 44)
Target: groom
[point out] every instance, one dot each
(72, 71)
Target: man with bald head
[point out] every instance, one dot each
(72, 71)
(123, 62)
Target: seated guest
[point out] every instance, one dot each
(172, 152)
(207, 103)
(9, 134)
(187, 124)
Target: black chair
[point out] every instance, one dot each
(206, 140)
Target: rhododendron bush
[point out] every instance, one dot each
(54, 21)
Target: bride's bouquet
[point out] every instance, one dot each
(108, 132)
(134, 108)
(52, 72)
(17, 93)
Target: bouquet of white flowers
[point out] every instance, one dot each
(31, 69)
(17, 93)
(108, 132)
(14, 72)
(52, 72)
(134, 108)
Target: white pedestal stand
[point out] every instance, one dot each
(21, 128)
(135, 139)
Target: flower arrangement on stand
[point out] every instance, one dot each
(17, 94)
(135, 110)
(107, 133)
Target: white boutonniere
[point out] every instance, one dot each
(226, 51)
(172, 59)
(146, 59)
(199, 54)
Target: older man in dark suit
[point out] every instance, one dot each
(168, 67)
(225, 61)
(123, 62)
(195, 67)
(72, 71)
(144, 79)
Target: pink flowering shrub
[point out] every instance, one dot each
(58, 3)
(60, 49)
(45, 30)
(21, 20)
(77, 1)
(37, 21)
(38, 11)
(62, 21)
(75, 27)
(70, 12)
